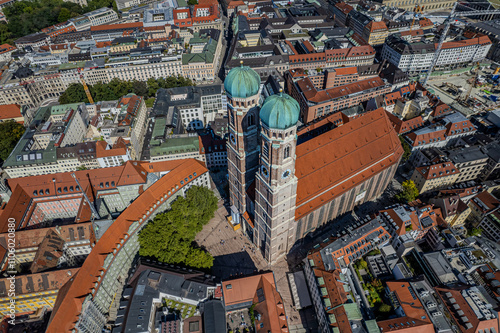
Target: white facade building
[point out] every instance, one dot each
(417, 57)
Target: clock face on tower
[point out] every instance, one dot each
(232, 138)
(264, 171)
(286, 174)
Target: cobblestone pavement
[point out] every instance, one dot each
(234, 255)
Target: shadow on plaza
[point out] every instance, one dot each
(233, 265)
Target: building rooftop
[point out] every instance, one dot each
(403, 295)
(369, 144)
(153, 282)
(440, 267)
(260, 290)
(69, 305)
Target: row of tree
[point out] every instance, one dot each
(27, 17)
(117, 88)
(170, 236)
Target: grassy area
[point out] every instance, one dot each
(149, 102)
(183, 309)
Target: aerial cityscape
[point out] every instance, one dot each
(249, 166)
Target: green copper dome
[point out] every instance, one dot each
(242, 82)
(280, 111)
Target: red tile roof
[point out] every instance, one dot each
(374, 26)
(343, 7)
(10, 111)
(425, 22)
(6, 48)
(485, 201)
(436, 133)
(403, 126)
(271, 307)
(346, 70)
(482, 40)
(416, 319)
(69, 304)
(340, 159)
(458, 307)
(438, 170)
(102, 151)
(118, 26)
(317, 96)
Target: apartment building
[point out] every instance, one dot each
(373, 32)
(120, 240)
(492, 169)
(97, 17)
(51, 128)
(133, 113)
(31, 296)
(341, 11)
(352, 56)
(410, 224)
(471, 161)
(482, 205)
(435, 176)
(325, 269)
(204, 58)
(444, 132)
(410, 312)
(316, 103)
(410, 5)
(417, 57)
(6, 51)
(469, 302)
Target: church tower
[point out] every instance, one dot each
(276, 184)
(242, 86)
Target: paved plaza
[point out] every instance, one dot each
(234, 256)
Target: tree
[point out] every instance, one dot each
(169, 237)
(140, 88)
(64, 15)
(5, 34)
(406, 147)
(10, 133)
(192, 2)
(73, 94)
(475, 231)
(384, 308)
(117, 88)
(409, 193)
(26, 17)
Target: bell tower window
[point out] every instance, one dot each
(265, 151)
(287, 152)
(251, 119)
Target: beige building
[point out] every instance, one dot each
(202, 63)
(427, 4)
(15, 93)
(375, 33)
(41, 150)
(122, 44)
(434, 177)
(411, 108)
(482, 205)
